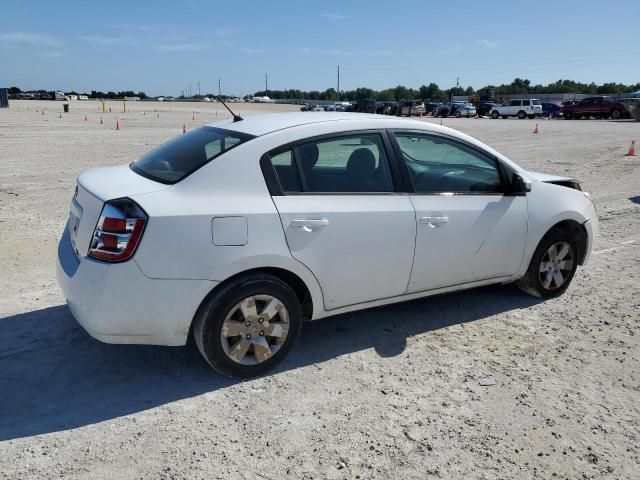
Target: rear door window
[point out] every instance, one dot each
(178, 158)
(345, 164)
(525, 103)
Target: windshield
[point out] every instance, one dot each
(173, 161)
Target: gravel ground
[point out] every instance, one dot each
(393, 392)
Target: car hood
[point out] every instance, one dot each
(544, 177)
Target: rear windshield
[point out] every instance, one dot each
(172, 161)
(535, 102)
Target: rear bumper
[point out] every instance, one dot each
(593, 230)
(117, 303)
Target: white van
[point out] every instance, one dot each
(521, 108)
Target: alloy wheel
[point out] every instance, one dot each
(556, 265)
(255, 329)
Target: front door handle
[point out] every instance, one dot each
(434, 222)
(308, 225)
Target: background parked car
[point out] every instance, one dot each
(432, 107)
(366, 106)
(457, 109)
(463, 109)
(550, 108)
(484, 108)
(412, 107)
(390, 108)
(598, 107)
(521, 108)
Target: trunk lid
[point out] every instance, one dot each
(96, 187)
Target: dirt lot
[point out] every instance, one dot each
(387, 393)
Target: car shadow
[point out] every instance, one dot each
(54, 377)
(635, 199)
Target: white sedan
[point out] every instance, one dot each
(239, 231)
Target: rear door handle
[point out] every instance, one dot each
(434, 222)
(308, 225)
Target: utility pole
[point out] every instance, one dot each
(219, 86)
(338, 82)
(266, 85)
(198, 87)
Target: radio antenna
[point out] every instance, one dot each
(236, 118)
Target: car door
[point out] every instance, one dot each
(468, 229)
(514, 106)
(342, 217)
(526, 106)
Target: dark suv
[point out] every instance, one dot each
(598, 107)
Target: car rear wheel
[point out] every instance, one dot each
(531, 117)
(458, 114)
(568, 116)
(248, 326)
(494, 115)
(553, 265)
(615, 114)
(521, 115)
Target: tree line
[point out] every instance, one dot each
(431, 91)
(434, 92)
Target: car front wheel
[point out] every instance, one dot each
(553, 265)
(615, 114)
(494, 115)
(521, 115)
(248, 326)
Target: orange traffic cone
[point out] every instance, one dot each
(60, 115)
(184, 129)
(440, 121)
(85, 118)
(632, 150)
(535, 130)
(117, 125)
(101, 122)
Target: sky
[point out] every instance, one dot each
(161, 47)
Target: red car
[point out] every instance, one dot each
(598, 107)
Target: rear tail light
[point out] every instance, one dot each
(118, 231)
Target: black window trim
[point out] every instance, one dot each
(505, 172)
(244, 138)
(275, 188)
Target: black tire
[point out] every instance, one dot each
(458, 114)
(531, 117)
(616, 114)
(567, 116)
(208, 322)
(532, 283)
(521, 114)
(494, 114)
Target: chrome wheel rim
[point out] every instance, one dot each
(556, 265)
(254, 329)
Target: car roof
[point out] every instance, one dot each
(258, 125)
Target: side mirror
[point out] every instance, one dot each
(520, 185)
